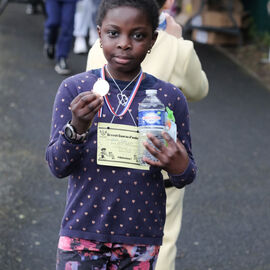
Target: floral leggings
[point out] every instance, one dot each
(80, 254)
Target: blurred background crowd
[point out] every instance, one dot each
(242, 27)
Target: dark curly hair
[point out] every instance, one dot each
(161, 3)
(150, 7)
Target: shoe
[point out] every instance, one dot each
(61, 67)
(80, 46)
(31, 9)
(49, 50)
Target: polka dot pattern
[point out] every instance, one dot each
(106, 203)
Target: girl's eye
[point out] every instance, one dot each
(138, 36)
(112, 33)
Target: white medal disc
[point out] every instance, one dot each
(101, 87)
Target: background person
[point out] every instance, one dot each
(58, 32)
(85, 25)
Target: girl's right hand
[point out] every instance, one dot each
(84, 108)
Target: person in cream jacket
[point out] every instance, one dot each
(174, 60)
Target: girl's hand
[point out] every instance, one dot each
(172, 158)
(83, 109)
(173, 28)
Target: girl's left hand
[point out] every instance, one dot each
(172, 158)
(173, 28)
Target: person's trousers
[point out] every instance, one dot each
(59, 26)
(174, 209)
(82, 21)
(85, 19)
(93, 29)
(80, 254)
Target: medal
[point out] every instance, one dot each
(101, 87)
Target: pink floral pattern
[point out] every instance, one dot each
(78, 254)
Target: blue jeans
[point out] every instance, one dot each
(59, 25)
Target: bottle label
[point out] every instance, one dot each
(151, 118)
(162, 21)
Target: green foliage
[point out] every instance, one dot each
(252, 32)
(265, 38)
(262, 39)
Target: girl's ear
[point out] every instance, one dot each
(154, 38)
(99, 35)
(99, 31)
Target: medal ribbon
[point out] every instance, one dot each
(130, 99)
(102, 75)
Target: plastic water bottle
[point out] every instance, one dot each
(162, 21)
(151, 120)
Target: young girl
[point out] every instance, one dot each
(114, 215)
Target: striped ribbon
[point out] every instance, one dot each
(130, 99)
(102, 75)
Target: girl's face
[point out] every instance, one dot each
(126, 36)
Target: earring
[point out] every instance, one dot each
(149, 51)
(100, 45)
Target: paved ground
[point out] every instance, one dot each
(226, 213)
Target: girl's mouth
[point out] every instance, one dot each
(122, 60)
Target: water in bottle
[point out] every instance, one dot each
(151, 120)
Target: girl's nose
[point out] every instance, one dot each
(124, 43)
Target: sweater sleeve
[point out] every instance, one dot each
(62, 155)
(188, 74)
(181, 114)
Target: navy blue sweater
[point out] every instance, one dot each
(113, 204)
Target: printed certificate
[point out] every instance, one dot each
(117, 145)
